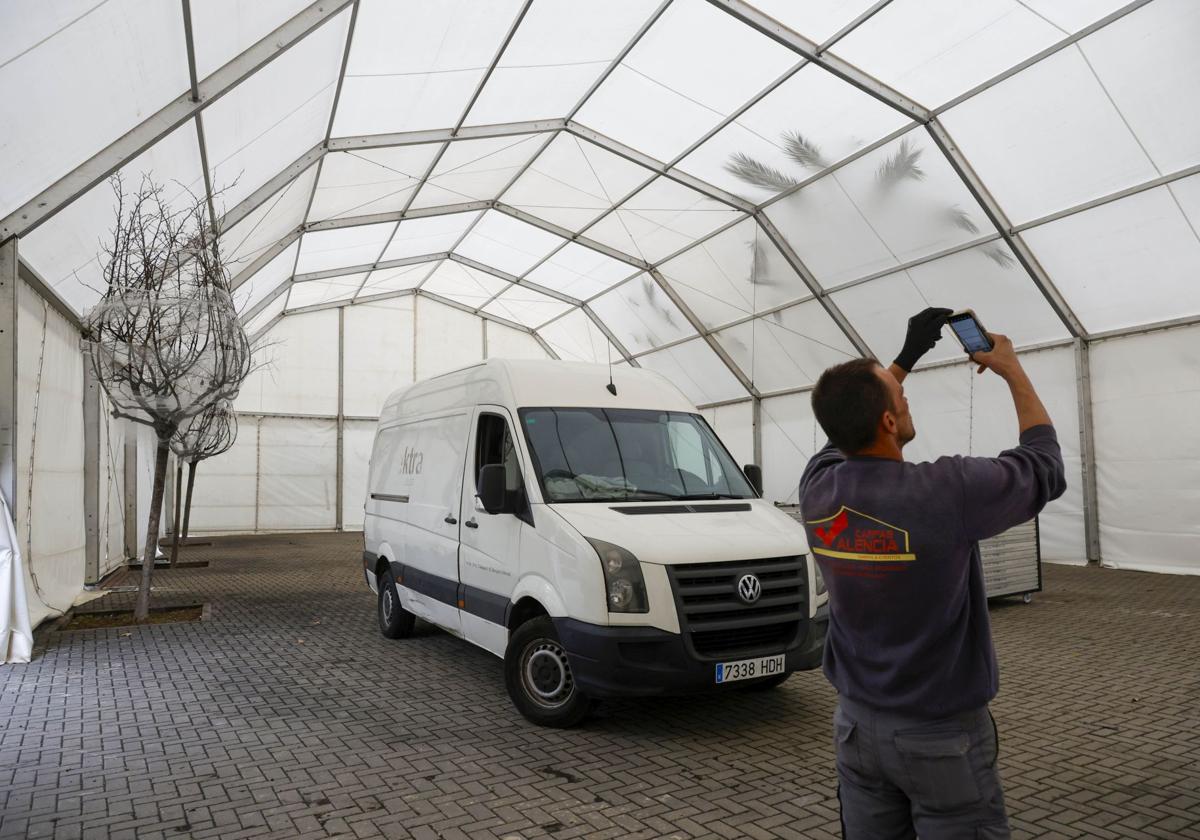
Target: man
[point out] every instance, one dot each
(909, 647)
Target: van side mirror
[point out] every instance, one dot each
(492, 493)
(754, 476)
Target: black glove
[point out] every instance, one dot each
(924, 331)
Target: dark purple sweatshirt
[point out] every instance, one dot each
(898, 546)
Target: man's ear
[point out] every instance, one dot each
(888, 423)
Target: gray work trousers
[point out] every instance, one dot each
(901, 777)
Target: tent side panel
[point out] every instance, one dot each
(50, 456)
(1145, 396)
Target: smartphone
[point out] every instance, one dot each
(970, 332)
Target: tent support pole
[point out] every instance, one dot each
(341, 418)
(8, 373)
(1087, 450)
(92, 490)
(756, 420)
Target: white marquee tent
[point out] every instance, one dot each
(734, 194)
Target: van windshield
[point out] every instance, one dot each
(619, 455)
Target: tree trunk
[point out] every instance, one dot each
(178, 506)
(187, 506)
(142, 610)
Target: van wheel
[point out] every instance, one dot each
(766, 683)
(395, 622)
(538, 677)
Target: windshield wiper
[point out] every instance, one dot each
(696, 497)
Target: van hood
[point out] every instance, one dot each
(684, 532)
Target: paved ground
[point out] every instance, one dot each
(288, 715)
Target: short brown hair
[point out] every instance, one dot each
(848, 401)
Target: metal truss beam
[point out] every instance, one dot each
(1161, 181)
(462, 307)
(999, 220)
(514, 280)
(266, 328)
(131, 144)
(42, 286)
(700, 329)
(822, 296)
(542, 343)
(1044, 54)
(358, 269)
(844, 70)
(612, 339)
(398, 216)
(9, 292)
(458, 125)
(261, 261)
(253, 312)
(665, 170)
(568, 235)
(443, 135)
(264, 193)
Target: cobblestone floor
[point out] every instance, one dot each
(287, 715)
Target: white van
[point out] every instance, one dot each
(593, 533)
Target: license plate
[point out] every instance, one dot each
(748, 669)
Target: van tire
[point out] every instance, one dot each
(766, 683)
(395, 622)
(538, 677)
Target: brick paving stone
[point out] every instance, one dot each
(287, 715)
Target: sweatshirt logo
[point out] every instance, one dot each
(852, 535)
(830, 533)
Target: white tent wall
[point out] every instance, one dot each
(49, 455)
(225, 494)
(297, 478)
(734, 425)
(1145, 397)
(281, 474)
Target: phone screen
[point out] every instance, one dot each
(969, 333)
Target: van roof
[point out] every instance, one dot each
(529, 383)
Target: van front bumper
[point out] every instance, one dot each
(648, 662)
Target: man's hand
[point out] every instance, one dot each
(924, 331)
(1001, 359)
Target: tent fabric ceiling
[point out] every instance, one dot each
(750, 188)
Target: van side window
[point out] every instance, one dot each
(494, 445)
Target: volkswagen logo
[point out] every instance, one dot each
(749, 589)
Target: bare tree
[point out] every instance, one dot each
(165, 338)
(205, 435)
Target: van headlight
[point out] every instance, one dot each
(624, 586)
(819, 578)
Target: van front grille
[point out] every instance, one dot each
(720, 625)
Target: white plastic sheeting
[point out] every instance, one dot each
(1146, 392)
(49, 455)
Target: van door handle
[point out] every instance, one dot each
(471, 523)
(450, 520)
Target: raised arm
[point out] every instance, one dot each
(1003, 361)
